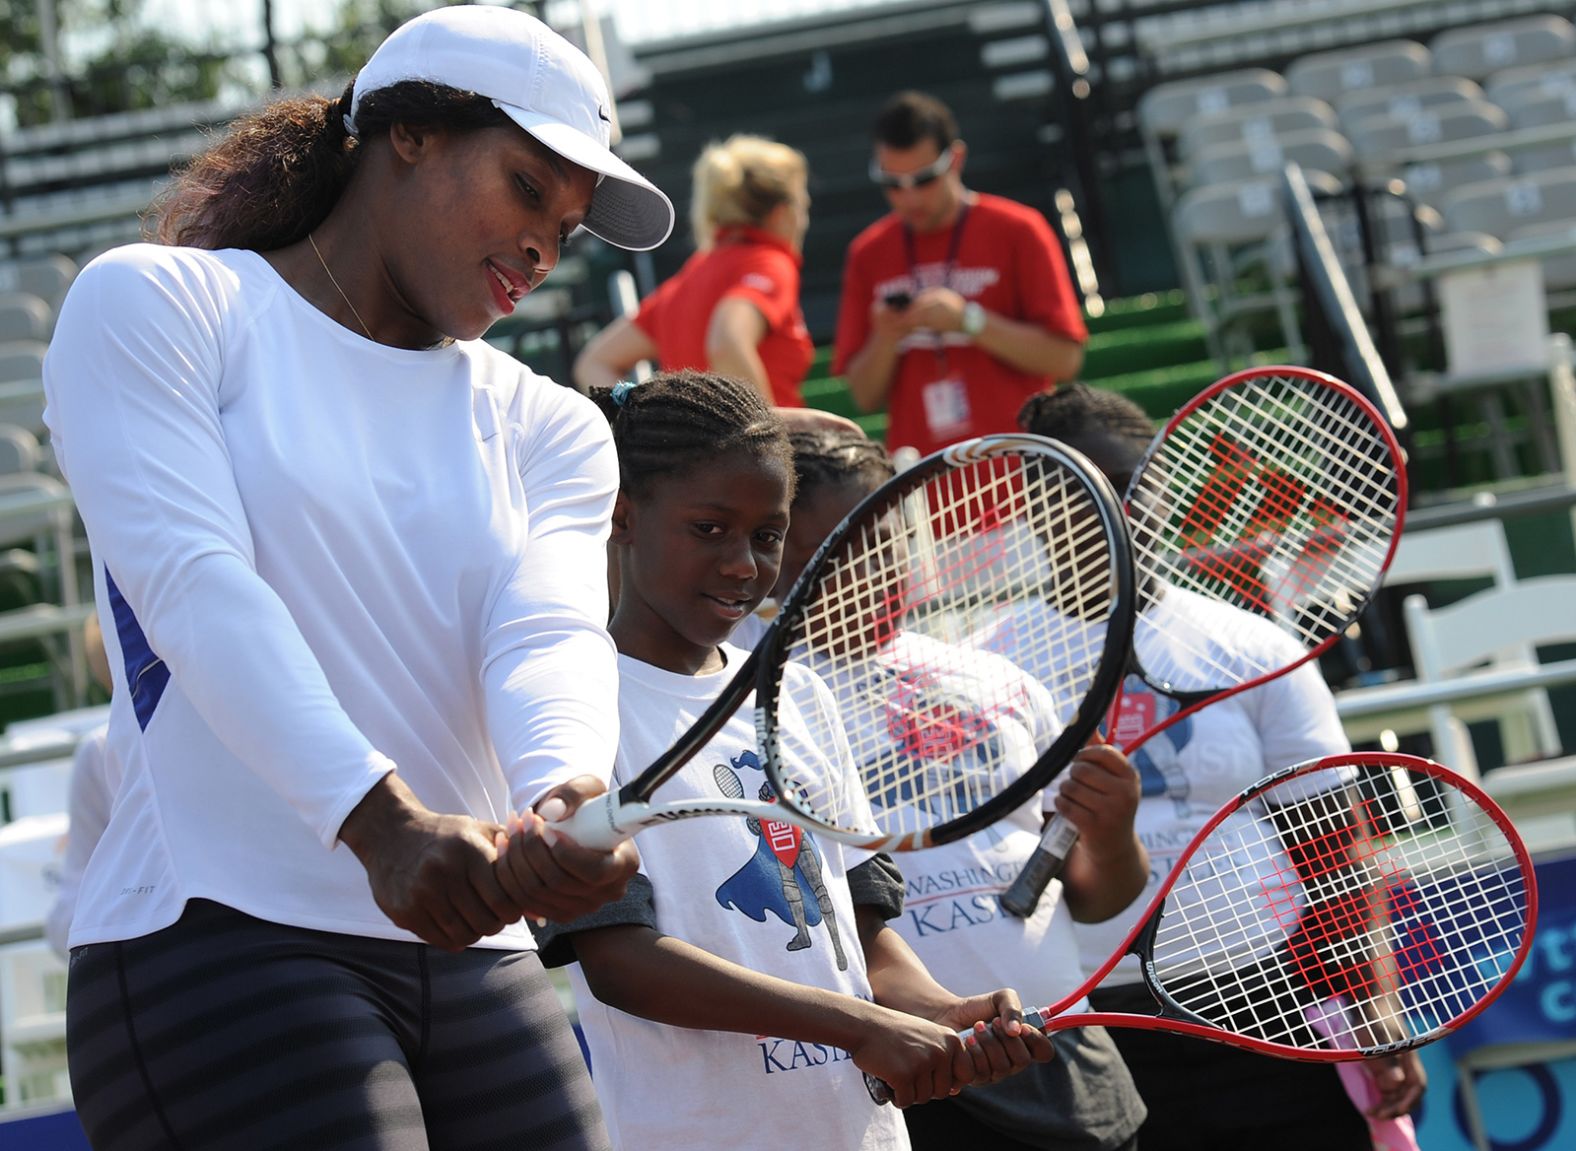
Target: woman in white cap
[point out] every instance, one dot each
(349, 561)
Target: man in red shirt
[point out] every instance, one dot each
(956, 306)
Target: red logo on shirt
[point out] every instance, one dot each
(784, 839)
(1134, 717)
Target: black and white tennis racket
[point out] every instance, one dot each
(1276, 495)
(981, 524)
(1347, 907)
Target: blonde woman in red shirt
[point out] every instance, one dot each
(733, 308)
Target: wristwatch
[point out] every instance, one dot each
(973, 318)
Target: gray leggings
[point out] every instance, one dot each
(227, 1033)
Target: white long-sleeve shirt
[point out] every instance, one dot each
(317, 559)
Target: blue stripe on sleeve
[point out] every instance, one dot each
(146, 673)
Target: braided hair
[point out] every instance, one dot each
(677, 421)
(831, 457)
(1107, 426)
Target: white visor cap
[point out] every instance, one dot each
(540, 81)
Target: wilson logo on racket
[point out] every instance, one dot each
(1265, 504)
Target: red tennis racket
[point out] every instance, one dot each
(1263, 517)
(1343, 908)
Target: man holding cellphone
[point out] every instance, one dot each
(956, 305)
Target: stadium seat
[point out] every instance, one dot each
(1544, 110)
(1224, 230)
(1164, 110)
(1314, 149)
(1255, 123)
(37, 510)
(23, 316)
(1329, 75)
(1479, 551)
(46, 277)
(1514, 86)
(33, 1013)
(1495, 627)
(1499, 207)
(20, 450)
(1549, 114)
(1478, 51)
(1428, 180)
(1407, 99)
(1378, 140)
(1559, 271)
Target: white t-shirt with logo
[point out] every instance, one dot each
(1199, 763)
(951, 916)
(771, 898)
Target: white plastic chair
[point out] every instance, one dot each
(32, 976)
(1312, 149)
(1498, 627)
(1328, 75)
(23, 316)
(46, 277)
(1167, 108)
(1432, 92)
(1481, 50)
(1213, 228)
(1379, 138)
(1255, 123)
(1499, 207)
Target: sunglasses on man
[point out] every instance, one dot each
(929, 174)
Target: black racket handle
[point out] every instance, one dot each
(882, 1093)
(1049, 857)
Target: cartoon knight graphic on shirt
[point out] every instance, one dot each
(785, 867)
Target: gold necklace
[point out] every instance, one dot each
(337, 288)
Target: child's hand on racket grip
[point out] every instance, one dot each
(1099, 794)
(996, 1040)
(550, 875)
(1400, 1080)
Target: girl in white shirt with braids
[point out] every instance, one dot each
(734, 996)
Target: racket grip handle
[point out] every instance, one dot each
(595, 823)
(882, 1093)
(1049, 857)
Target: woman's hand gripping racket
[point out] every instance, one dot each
(1347, 907)
(988, 522)
(1274, 499)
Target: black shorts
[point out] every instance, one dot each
(227, 1033)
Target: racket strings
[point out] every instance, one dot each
(935, 727)
(1280, 498)
(1328, 913)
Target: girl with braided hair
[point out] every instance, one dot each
(733, 997)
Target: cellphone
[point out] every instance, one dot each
(898, 300)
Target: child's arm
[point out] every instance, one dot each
(638, 970)
(900, 980)
(1108, 867)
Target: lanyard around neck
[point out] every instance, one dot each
(954, 243)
